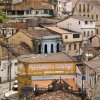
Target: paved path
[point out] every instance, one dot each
(3, 89)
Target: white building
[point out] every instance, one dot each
(92, 76)
(64, 8)
(8, 60)
(8, 31)
(83, 25)
(71, 40)
(4, 70)
(49, 44)
(45, 41)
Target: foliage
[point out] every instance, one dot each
(2, 17)
(54, 2)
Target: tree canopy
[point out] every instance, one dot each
(2, 17)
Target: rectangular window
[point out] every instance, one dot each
(79, 22)
(84, 8)
(15, 64)
(66, 37)
(76, 35)
(92, 16)
(91, 22)
(84, 33)
(80, 8)
(69, 46)
(75, 47)
(86, 22)
(97, 17)
(87, 7)
(97, 31)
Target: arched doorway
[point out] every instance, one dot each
(52, 48)
(58, 47)
(45, 49)
(39, 49)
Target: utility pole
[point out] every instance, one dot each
(9, 64)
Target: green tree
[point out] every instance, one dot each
(2, 17)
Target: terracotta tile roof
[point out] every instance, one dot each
(58, 30)
(13, 51)
(32, 4)
(42, 83)
(58, 95)
(17, 25)
(20, 49)
(54, 57)
(94, 64)
(72, 83)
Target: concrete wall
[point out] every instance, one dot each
(70, 37)
(4, 74)
(36, 21)
(73, 24)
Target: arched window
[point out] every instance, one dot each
(52, 48)
(45, 49)
(39, 49)
(58, 47)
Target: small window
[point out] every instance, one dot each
(84, 33)
(91, 22)
(16, 64)
(79, 22)
(76, 36)
(66, 37)
(69, 46)
(96, 17)
(86, 22)
(97, 31)
(92, 16)
(75, 47)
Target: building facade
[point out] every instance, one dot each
(40, 40)
(83, 25)
(92, 76)
(64, 8)
(89, 9)
(44, 68)
(26, 9)
(71, 40)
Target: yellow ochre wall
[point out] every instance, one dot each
(25, 72)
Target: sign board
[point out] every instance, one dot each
(47, 69)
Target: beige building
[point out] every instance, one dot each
(95, 41)
(40, 40)
(19, 37)
(88, 8)
(71, 40)
(92, 76)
